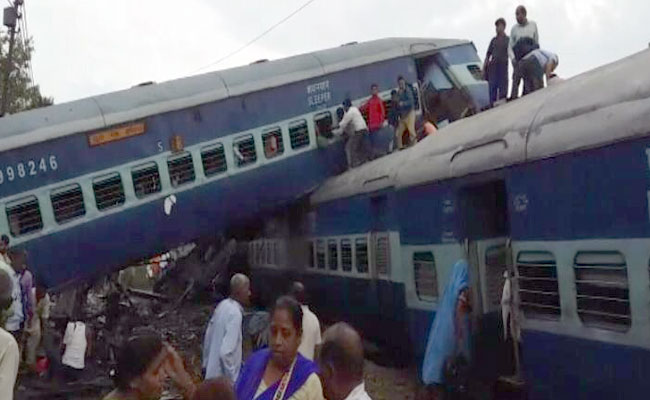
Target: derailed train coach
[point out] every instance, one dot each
(553, 188)
(92, 185)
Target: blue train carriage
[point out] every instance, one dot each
(554, 188)
(83, 184)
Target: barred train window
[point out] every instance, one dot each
(67, 203)
(538, 287)
(24, 216)
(320, 254)
(426, 278)
(332, 255)
(181, 169)
(272, 141)
(382, 254)
(146, 179)
(602, 289)
(244, 150)
(323, 122)
(299, 134)
(109, 191)
(361, 250)
(214, 159)
(311, 254)
(346, 255)
(495, 266)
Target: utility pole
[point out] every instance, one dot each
(10, 19)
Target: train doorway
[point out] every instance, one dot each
(486, 229)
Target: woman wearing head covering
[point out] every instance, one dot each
(143, 365)
(449, 336)
(280, 373)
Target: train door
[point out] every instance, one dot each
(486, 229)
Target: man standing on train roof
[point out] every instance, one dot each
(222, 345)
(376, 111)
(496, 63)
(356, 129)
(406, 113)
(310, 325)
(524, 37)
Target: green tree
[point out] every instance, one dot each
(23, 93)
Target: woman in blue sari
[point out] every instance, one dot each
(280, 373)
(449, 337)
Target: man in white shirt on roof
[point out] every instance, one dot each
(353, 124)
(340, 362)
(222, 346)
(524, 30)
(310, 325)
(9, 354)
(534, 66)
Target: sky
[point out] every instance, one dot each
(89, 47)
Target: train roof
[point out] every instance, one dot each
(142, 101)
(605, 105)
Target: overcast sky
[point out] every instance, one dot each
(88, 47)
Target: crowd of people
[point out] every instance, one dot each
(297, 365)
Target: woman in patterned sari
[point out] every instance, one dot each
(280, 373)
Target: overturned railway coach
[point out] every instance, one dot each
(554, 188)
(94, 184)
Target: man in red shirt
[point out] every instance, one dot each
(376, 115)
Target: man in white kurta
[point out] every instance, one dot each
(9, 354)
(310, 325)
(222, 345)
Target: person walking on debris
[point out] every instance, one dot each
(9, 354)
(524, 38)
(222, 345)
(77, 341)
(310, 325)
(281, 372)
(341, 364)
(38, 325)
(143, 364)
(356, 129)
(406, 108)
(496, 63)
(447, 352)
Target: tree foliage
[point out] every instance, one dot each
(23, 93)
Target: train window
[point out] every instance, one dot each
(426, 278)
(323, 122)
(311, 254)
(146, 179)
(332, 255)
(602, 289)
(24, 216)
(299, 134)
(214, 159)
(538, 287)
(244, 149)
(495, 267)
(361, 250)
(109, 191)
(346, 255)
(320, 254)
(272, 140)
(67, 203)
(276, 253)
(382, 254)
(181, 169)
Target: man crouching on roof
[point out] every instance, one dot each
(355, 127)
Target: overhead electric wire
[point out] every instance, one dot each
(256, 38)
